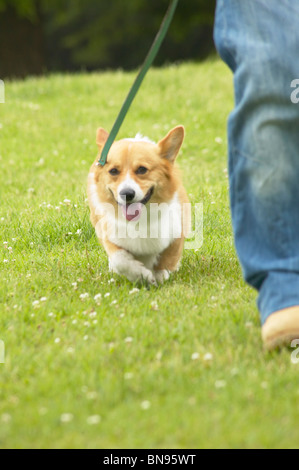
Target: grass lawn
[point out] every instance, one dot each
(178, 366)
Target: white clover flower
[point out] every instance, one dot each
(41, 162)
(57, 340)
(91, 395)
(84, 296)
(128, 375)
(98, 298)
(85, 338)
(66, 418)
(79, 231)
(129, 339)
(220, 384)
(5, 418)
(43, 299)
(154, 305)
(134, 291)
(107, 295)
(159, 356)
(195, 356)
(93, 420)
(208, 357)
(145, 405)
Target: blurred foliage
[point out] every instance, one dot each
(24, 8)
(92, 34)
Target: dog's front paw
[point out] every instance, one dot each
(146, 275)
(125, 264)
(162, 275)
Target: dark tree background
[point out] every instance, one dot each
(37, 36)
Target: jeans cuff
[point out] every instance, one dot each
(279, 290)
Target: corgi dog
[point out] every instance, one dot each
(139, 207)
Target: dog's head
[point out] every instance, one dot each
(138, 171)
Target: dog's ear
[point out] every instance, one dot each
(169, 146)
(102, 136)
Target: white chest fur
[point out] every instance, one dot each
(147, 238)
(158, 226)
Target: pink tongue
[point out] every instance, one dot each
(132, 211)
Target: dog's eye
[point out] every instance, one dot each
(114, 172)
(141, 170)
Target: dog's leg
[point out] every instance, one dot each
(122, 262)
(169, 260)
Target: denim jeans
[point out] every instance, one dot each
(259, 41)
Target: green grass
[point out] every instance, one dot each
(68, 356)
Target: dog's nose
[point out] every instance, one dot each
(127, 194)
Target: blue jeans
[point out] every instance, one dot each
(259, 41)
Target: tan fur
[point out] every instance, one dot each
(127, 156)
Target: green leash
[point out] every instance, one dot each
(132, 93)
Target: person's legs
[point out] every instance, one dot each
(259, 41)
